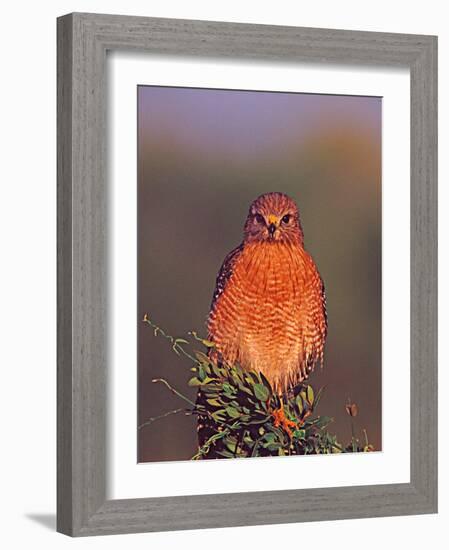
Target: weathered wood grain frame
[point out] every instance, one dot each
(83, 40)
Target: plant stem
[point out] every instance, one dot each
(176, 392)
(153, 418)
(176, 342)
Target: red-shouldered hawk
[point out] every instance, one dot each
(268, 311)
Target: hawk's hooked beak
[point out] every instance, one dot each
(272, 224)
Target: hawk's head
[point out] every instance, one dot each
(273, 218)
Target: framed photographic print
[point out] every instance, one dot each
(258, 163)
(246, 274)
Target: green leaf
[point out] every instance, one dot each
(261, 392)
(269, 437)
(318, 397)
(227, 388)
(201, 373)
(208, 387)
(256, 421)
(231, 442)
(214, 402)
(251, 378)
(265, 382)
(235, 425)
(299, 404)
(232, 412)
(248, 440)
(196, 382)
(216, 370)
(207, 343)
(219, 416)
(211, 394)
(202, 357)
(310, 395)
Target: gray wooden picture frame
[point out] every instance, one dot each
(83, 40)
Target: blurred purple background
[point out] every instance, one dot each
(203, 156)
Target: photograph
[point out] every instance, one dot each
(259, 273)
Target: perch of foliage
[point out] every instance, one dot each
(239, 415)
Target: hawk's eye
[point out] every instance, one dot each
(286, 218)
(259, 218)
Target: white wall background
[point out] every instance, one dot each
(28, 244)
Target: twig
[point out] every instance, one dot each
(205, 447)
(153, 418)
(196, 407)
(176, 342)
(206, 343)
(176, 392)
(255, 447)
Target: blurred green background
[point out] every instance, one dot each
(203, 156)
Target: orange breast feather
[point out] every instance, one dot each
(269, 315)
